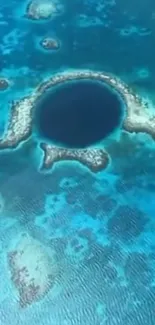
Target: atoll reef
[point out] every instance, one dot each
(33, 271)
(49, 43)
(77, 162)
(39, 9)
(94, 159)
(137, 118)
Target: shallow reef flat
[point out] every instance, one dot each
(94, 159)
(40, 10)
(33, 271)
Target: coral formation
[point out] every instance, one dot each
(49, 43)
(137, 117)
(105, 203)
(40, 9)
(19, 124)
(98, 206)
(126, 224)
(4, 84)
(33, 270)
(94, 159)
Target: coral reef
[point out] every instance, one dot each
(49, 43)
(40, 9)
(105, 203)
(137, 117)
(33, 270)
(98, 206)
(94, 159)
(19, 124)
(126, 224)
(4, 84)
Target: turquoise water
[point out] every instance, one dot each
(97, 228)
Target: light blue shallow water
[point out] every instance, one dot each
(100, 226)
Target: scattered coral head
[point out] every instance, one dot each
(4, 84)
(49, 43)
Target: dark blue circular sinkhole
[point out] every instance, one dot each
(78, 114)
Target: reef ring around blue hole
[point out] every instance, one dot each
(78, 114)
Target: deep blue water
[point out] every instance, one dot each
(100, 226)
(79, 114)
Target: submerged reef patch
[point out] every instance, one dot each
(4, 84)
(33, 270)
(126, 224)
(50, 43)
(41, 9)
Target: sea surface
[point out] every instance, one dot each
(101, 226)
